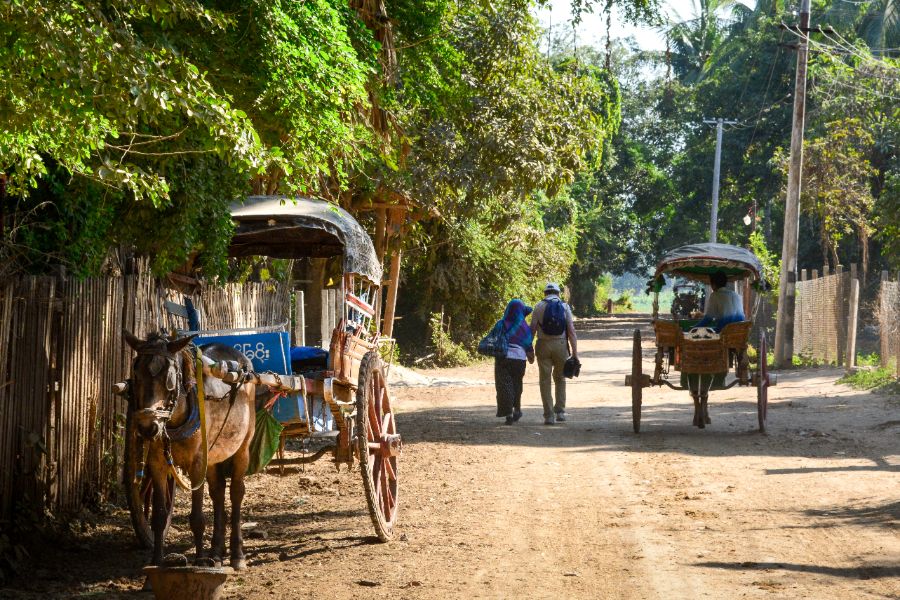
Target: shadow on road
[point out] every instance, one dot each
(867, 572)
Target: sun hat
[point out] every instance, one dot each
(551, 288)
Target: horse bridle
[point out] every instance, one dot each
(175, 391)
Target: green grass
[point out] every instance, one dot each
(643, 303)
(881, 379)
(868, 360)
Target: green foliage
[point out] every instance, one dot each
(889, 219)
(87, 90)
(770, 261)
(623, 302)
(129, 123)
(604, 289)
(868, 360)
(473, 267)
(877, 379)
(446, 352)
(507, 123)
(494, 158)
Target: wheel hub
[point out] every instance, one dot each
(390, 445)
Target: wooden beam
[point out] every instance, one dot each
(391, 303)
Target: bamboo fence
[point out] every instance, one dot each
(821, 317)
(61, 349)
(889, 322)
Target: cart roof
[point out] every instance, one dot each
(283, 227)
(699, 261)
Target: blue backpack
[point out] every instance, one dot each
(554, 320)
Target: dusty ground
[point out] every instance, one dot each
(585, 509)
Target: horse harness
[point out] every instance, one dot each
(176, 390)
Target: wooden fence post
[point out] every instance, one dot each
(852, 323)
(885, 344)
(840, 318)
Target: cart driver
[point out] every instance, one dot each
(723, 306)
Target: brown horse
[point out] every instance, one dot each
(164, 410)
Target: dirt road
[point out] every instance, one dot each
(585, 509)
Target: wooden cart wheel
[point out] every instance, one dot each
(762, 383)
(139, 494)
(379, 445)
(637, 377)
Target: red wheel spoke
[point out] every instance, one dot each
(386, 422)
(375, 421)
(377, 481)
(388, 498)
(389, 469)
(383, 401)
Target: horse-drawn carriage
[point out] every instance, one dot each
(702, 356)
(339, 395)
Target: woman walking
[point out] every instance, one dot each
(510, 370)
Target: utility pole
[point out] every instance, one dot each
(784, 325)
(714, 211)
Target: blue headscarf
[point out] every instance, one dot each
(514, 325)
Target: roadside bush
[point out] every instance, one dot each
(470, 268)
(878, 379)
(623, 302)
(447, 353)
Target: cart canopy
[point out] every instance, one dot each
(283, 227)
(698, 261)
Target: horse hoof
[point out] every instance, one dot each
(205, 561)
(701, 424)
(175, 559)
(239, 564)
(708, 421)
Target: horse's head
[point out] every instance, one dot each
(160, 375)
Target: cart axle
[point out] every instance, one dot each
(389, 445)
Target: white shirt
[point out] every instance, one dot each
(516, 352)
(724, 303)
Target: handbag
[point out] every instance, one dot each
(494, 343)
(572, 368)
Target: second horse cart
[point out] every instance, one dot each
(701, 357)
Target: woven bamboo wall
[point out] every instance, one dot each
(61, 349)
(889, 323)
(819, 318)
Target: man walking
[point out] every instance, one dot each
(552, 322)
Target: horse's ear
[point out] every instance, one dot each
(132, 340)
(176, 346)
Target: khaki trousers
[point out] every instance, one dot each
(551, 359)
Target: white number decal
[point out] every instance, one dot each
(259, 353)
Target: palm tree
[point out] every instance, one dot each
(876, 22)
(694, 40)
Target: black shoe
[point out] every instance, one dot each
(510, 420)
(517, 414)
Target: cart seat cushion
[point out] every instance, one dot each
(304, 358)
